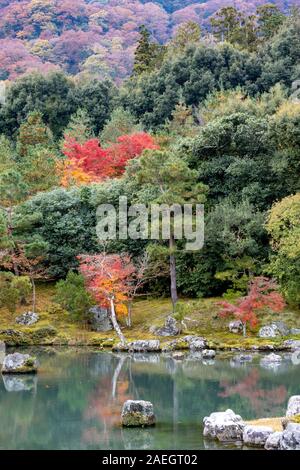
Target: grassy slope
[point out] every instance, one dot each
(202, 320)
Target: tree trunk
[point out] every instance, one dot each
(244, 330)
(115, 322)
(33, 294)
(129, 315)
(174, 295)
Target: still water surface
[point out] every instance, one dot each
(75, 400)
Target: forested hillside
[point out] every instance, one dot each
(94, 38)
(200, 120)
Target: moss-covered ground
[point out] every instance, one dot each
(58, 327)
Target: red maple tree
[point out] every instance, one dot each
(88, 162)
(108, 277)
(262, 293)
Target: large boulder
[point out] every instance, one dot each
(19, 364)
(256, 435)
(170, 328)
(150, 345)
(290, 439)
(273, 441)
(293, 407)
(292, 344)
(273, 330)
(137, 413)
(196, 343)
(224, 426)
(27, 318)
(236, 326)
(99, 319)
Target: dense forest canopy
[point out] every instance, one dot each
(95, 37)
(208, 114)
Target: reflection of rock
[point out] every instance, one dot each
(149, 358)
(170, 328)
(195, 356)
(178, 356)
(137, 413)
(27, 318)
(208, 362)
(242, 358)
(2, 351)
(292, 344)
(256, 435)
(290, 439)
(13, 383)
(208, 353)
(293, 407)
(236, 326)
(271, 361)
(273, 441)
(19, 364)
(224, 426)
(99, 319)
(135, 439)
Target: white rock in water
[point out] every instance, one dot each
(224, 426)
(137, 413)
(19, 364)
(290, 439)
(293, 407)
(256, 435)
(273, 441)
(208, 353)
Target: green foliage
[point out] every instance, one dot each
(121, 122)
(283, 225)
(13, 290)
(79, 127)
(65, 220)
(32, 132)
(148, 54)
(72, 296)
(50, 95)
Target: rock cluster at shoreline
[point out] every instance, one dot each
(226, 426)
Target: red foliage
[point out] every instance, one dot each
(89, 162)
(107, 277)
(259, 398)
(262, 293)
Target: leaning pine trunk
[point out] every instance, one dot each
(174, 295)
(115, 322)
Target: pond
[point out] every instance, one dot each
(75, 400)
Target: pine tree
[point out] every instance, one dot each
(33, 131)
(79, 127)
(147, 54)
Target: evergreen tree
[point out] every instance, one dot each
(32, 132)
(270, 18)
(147, 54)
(79, 127)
